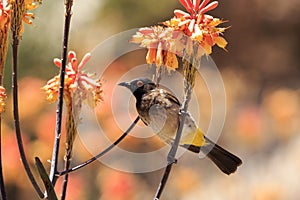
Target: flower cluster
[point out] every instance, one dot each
(197, 25)
(186, 31)
(162, 44)
(77, 82)
(4, 14)
(4, 30)
(30, 5)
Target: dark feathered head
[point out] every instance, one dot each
(139, 86)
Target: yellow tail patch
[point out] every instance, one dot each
(196, 138)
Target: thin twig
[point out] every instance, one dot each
(15, 46)
(103, 152)
(54, 161)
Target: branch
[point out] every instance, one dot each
(54, 160)
(15, 45)
(103, 152)
(17, 11)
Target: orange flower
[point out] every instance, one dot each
(162, 43)
(197, 25)
(4, 13)
(2, 98)
(30, 5)
(19, 13)
(77, 82)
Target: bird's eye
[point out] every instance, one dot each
(139, 83)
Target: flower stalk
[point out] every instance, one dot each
(67, 24)
(4, 32)
(79, 88)
(18, 11)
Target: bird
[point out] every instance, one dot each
(159, 109)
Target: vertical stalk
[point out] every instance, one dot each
(71, 131)
(4, 32)
(15, 45)
(2, 63)
(189, 81)
(16, 26)
(54, 161)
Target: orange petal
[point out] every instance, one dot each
(151, 56)
(57, 62)
(171, 61)
(207, 48)
(184, 22)
(84, 60)
(221, 42)
(180, 13)
(215, 22)
(203, 4)
(187, 4)
(209, 7)
(196, 4)
(159, 56)
(146, 30)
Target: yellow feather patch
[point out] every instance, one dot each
(195, 138)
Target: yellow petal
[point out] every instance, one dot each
(207, 48)
(151, 56)
(221, 42)
(171, 61)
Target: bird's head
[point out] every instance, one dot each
(139, 86)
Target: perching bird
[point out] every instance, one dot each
(159, 109)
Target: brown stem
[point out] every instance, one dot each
(103, 152)
(59, 111)
(15, 46)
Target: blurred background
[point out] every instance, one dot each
(261, 75)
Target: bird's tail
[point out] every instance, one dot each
(226, 161)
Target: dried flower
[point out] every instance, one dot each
(4, 13)
(19, 13)
(2, 98)
(162, 43)
(197, 25)
(4, 30)
(77, 82)
(30, 5)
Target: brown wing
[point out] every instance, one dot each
(159, 109)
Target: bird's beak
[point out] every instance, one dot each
(125, 84)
